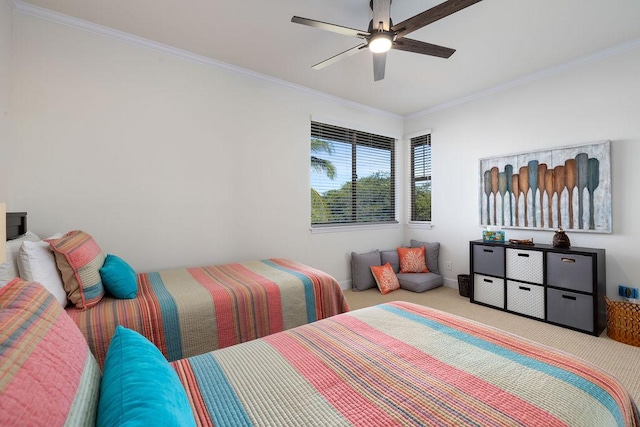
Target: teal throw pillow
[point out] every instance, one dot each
(139, 386)
(119, 278)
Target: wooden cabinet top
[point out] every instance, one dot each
(542, 247)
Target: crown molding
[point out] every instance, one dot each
(616, 50)
(36, 11)
(49, 15)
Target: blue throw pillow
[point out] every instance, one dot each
(119, 278)
(139, 386)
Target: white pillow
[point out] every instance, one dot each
(37, 263)
(9, 270)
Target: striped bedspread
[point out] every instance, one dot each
(191, 311)
(400, 364)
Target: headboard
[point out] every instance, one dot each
(16, 224)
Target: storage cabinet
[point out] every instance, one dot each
(563, 286)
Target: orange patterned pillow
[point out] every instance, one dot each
(385, 278)
(412, 260)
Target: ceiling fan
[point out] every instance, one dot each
(383, 35)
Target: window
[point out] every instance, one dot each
(352, 177)
(421, 178)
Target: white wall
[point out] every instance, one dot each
(5, 89)
(595, 102)
(168, 162)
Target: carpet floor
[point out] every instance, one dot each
(620, 360)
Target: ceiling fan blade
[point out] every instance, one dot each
(330, 27)
(379, 62)
(339, 56)
(415, 46)
(428, 16)
(381, 13)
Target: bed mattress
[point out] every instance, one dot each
(186, 312)
(400, 364)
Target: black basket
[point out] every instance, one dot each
(464, 283)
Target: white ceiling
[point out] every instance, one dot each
(498, 42)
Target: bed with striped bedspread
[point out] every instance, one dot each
(400, 364)
(186, 312)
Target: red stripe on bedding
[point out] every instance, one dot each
(248, 306)
(151, 314)
(190, 384)
(328, 383)
(536, 351)
(412, 371)
(141, 314)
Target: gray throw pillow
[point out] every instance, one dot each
(432, 250)
(361, 276)
(391, 256)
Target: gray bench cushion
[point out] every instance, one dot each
(362, 278)
(419, 282)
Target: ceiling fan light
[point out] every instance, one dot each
(380, 43)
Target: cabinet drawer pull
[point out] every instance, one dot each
(568, 260)
(488, 281)
(524, 255)
(524, 288)
(487, 250)
(569, 297)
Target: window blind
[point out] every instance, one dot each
(421, 178)
(352, 176)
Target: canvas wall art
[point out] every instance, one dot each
(568, 187)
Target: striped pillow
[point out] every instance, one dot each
(48, 376)
(79, 259)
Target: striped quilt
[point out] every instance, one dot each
(400, 364)
(191, 311)
(48, 376)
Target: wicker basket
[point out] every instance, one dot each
(623, 321)
(464, 282)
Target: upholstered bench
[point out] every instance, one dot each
(362, 277)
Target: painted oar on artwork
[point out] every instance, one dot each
(524, 188)
(494, 190)
(558, 188)
(570, 180)
(548, 185)
(542, 175)
(533, 183)
(487, 191)
(502, 188)
(516, 194)
(593, 179)
(508, 172)
(581, 166)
